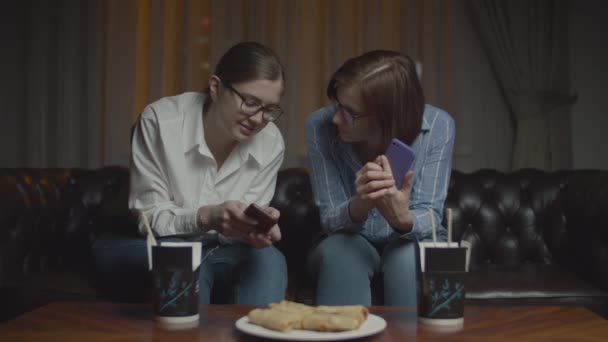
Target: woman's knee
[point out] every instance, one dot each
(112, 253)
(400, 256)
(344, 252)
(267, 260)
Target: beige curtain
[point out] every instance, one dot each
(178, 43)
(314, 37)
(93, 65)
(526, 43)
(152, 49)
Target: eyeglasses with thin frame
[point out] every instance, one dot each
(348, 114)
(250, 106)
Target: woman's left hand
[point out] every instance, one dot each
(395, 203)
(261, 240)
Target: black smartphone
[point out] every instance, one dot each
(265, 220)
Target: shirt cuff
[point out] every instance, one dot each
(347, 220)
(186, 221)
(340, 219)
(413, 233)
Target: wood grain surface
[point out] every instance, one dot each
(93, 322)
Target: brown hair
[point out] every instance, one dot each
(390, 90)
(248, 61)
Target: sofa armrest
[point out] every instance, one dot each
(50, 217)
(577, 226)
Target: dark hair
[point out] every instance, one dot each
(248, 61)
(390, 90)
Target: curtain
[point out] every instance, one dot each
(52, 69)
(526, 43)
(314, 37)
(86, 69)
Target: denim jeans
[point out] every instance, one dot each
(344, 264)
(244, 275)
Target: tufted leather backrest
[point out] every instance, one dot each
(49, 217)
(526, 216)
(504, 215)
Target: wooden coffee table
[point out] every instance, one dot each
(91, 322)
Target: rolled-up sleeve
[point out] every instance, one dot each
(327, 186)
(430, 187)
(149, 191)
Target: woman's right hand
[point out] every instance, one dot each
(371, 183)
(227, 218)
(230, 220)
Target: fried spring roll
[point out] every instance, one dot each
(359, 312)
(328, 322)
(275, 320)
(294, 307)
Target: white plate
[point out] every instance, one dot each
(373, 325)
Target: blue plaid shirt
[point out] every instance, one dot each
(333, 164)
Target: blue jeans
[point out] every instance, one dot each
(344, 264)
(245, 275)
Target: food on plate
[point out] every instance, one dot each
(329, 322)
(288, 306)
(288, 315)
(274, 319)
(359, 312)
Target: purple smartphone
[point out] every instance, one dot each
(401, 157)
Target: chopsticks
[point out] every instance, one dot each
(150, 237)
(435, 230)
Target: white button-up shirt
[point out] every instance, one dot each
(173, 173)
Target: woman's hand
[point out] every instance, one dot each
(230, 220)
(261, 240)
(394, 203)
(371, 183)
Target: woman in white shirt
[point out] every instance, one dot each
(198, 160)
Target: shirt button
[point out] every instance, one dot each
(374, 214)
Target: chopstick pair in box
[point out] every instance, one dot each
(444, 256)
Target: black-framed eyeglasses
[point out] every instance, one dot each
(348, 114)
(251, 106)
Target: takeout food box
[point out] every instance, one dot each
(444, 256)
(175, 268)
(442, 267)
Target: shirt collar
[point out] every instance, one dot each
(426, 126)
(348, 153)
(194, 134)
(256, 148)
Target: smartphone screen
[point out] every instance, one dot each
(401, 157)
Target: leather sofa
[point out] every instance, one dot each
(537, 237)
